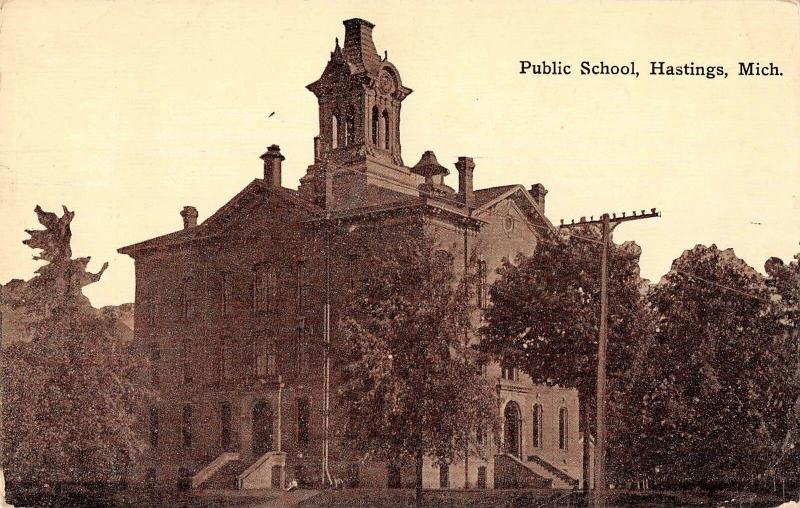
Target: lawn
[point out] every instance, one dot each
(397, 498)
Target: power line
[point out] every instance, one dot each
(728, 288)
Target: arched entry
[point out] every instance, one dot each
(511, 429)
(262, 428)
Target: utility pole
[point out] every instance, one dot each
(607, 223)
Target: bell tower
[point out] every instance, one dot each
(359, 96)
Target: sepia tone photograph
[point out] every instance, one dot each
(231, 276)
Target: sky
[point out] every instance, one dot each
(126, 111)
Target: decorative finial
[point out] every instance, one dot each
(385, 54)
(337, 43)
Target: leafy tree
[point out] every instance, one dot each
(411, 384)
(71, 395)
(545, 313)
(711, 385)
(785, 280)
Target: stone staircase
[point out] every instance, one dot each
(511, 473)
(230, 472)
(227, 477)
(561, 480)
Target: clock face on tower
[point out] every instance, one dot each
(385, 82)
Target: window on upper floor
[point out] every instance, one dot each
(482, 289)
(349, 130)
(186, 360)
(563, 428)
(226, 364)
(154, 427)
(481, 435)
(188, 299)
(265, 354)
(147, 308)
(537, 426)
(508, 372)
(386, 129)
(334, 132)
(227, 293)
(301, 347)
(265, 287)
(186, 426)
(155, 361)
(375, 125)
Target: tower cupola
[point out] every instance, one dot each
(359, 96)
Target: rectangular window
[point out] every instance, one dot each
(303, 417)
(266, 357)
(480, 435)
(226, 293)
(302, 347)
(481, 477)
(187, 299)
(265, 288)
(149, 310)
(186, 430)
(227, 358)
(509, 373)
(155, 361)
(225, 414)
(482, 286)
(444, 476)
(187, 359)
(154, 427)
(537, 426)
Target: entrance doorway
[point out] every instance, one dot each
(511, 429)
(262, 428)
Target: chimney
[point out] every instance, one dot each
(538, 192)
(358, 46)
(189, 214)
(272, 166)
(465, 167)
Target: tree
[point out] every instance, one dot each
(785, 281)
(545, 313)
(71, 395)
(711, 385)
(411, 384)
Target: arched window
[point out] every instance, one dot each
(537, 426)
(375, 121)
(563, 428)
(386, 129)
(334, 132)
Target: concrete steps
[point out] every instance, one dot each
(511, 473)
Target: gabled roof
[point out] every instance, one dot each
(215, 224)
(486, 198)
(483, 196)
